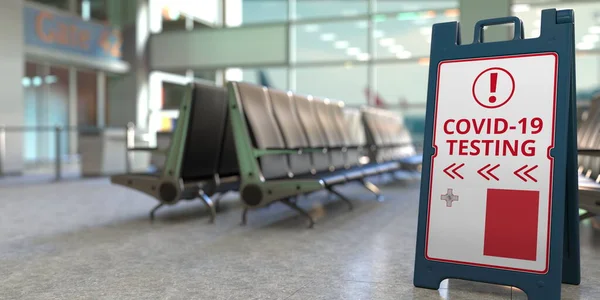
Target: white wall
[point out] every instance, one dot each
(219, 48)
(11, 66)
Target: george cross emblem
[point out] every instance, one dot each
(449, 197)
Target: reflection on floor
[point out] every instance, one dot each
(90, 240)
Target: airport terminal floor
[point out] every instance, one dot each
(92, 240)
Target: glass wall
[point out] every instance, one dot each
(361, 52)
(184, 14)
(329, 9)
(402, 86)
(58, 96)
(330, 41)
(275, 77)
(46, 90)
(587, 38)
(346, 83)
(384, 6)
(406, 34)
(257, 11)
(376, 52)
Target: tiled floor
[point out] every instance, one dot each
(90, 240)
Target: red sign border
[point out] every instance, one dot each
(548, 156)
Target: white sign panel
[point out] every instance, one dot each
(491, 176)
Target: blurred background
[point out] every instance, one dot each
(83, 79)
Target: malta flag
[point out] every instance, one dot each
(511, 224)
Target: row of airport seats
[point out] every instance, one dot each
(272, 146)
(390, 134)
(290, 144)
(588, 137)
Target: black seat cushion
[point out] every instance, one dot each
(228, 163)
(205, 133)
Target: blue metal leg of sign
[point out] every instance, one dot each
(571, 265)
(541, 290)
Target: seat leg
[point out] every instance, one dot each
(244, 217)
(153, 211)
(373, 189)
(209, 203)
(331, 195)
(300, 211)
(217, 201)
(350, 206)
(586, 215)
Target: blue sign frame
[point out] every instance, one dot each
(557, 35)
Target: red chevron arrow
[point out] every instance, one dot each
(454, 171)
(526, 173)
(448, 168)
(488, 171)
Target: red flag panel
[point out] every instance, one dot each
(511, 224)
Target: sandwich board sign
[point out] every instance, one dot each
(499, 194)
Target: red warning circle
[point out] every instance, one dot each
(493, 87)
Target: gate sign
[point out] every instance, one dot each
(499, 187)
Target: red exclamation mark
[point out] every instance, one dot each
(493, 81)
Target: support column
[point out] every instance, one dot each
(128, 95)
(12, 64)
(220, 79)
(100, 99)
(223, 12)
(292, 47)
(472, 11)
(371, 75)
(73, 112)
(141, 66)
(45, 138)
(86, 10)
